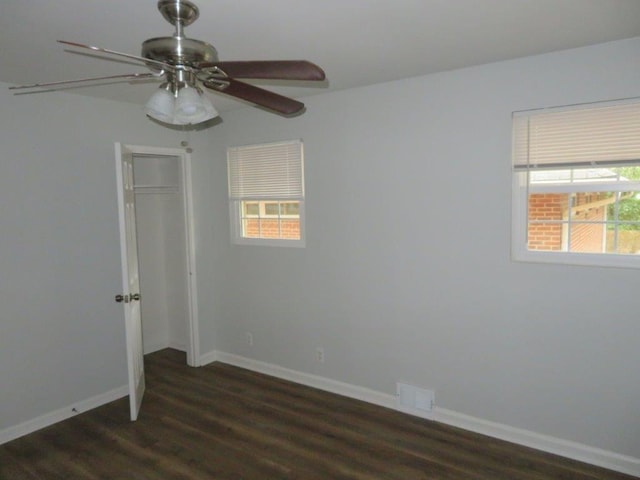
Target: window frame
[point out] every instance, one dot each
(237, 215)
(237, 218)
(520, 209)
(262, 209)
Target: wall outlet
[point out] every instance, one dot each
(250, 339)
(320, 354)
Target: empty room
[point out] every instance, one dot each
(320, 239)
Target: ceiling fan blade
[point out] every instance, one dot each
(131, 76)
(270, 69)
(256, 95)
(147, 61)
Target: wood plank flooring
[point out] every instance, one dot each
(223, 422)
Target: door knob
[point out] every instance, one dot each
(135, 296)
(119, 298)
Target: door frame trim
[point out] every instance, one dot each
(193, 334)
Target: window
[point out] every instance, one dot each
(576, 190)
(266, 194)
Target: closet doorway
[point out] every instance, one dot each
(163, 212)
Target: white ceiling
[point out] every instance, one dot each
(357, 42)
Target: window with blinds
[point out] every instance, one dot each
(577, 184)
(266, 193)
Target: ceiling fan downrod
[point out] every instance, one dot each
(179, 13)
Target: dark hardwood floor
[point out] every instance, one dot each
(223, 422)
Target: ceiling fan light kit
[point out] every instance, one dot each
(185, 106)
(161, 105)
(187, 64)
(193, 107)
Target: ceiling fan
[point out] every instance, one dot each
(186, 65)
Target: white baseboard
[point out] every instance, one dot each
(181, 347)
(209, 357)
(557, 446)
(155, 347)
(56, 416)
(333, 386)
(577, 451)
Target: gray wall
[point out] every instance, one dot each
(61, 333)
(407, 272)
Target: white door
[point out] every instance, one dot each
(130, 297)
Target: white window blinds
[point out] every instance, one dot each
(267, 171)
(596, 135)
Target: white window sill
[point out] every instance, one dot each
(269, 242)
(583, 259)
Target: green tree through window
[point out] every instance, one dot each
(628, 208)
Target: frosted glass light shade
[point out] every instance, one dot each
(189, 107)
(161, 106)
(209, 109)
(192, 107)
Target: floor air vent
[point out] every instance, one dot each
(415, 400)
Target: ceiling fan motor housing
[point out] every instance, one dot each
(179, 50)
